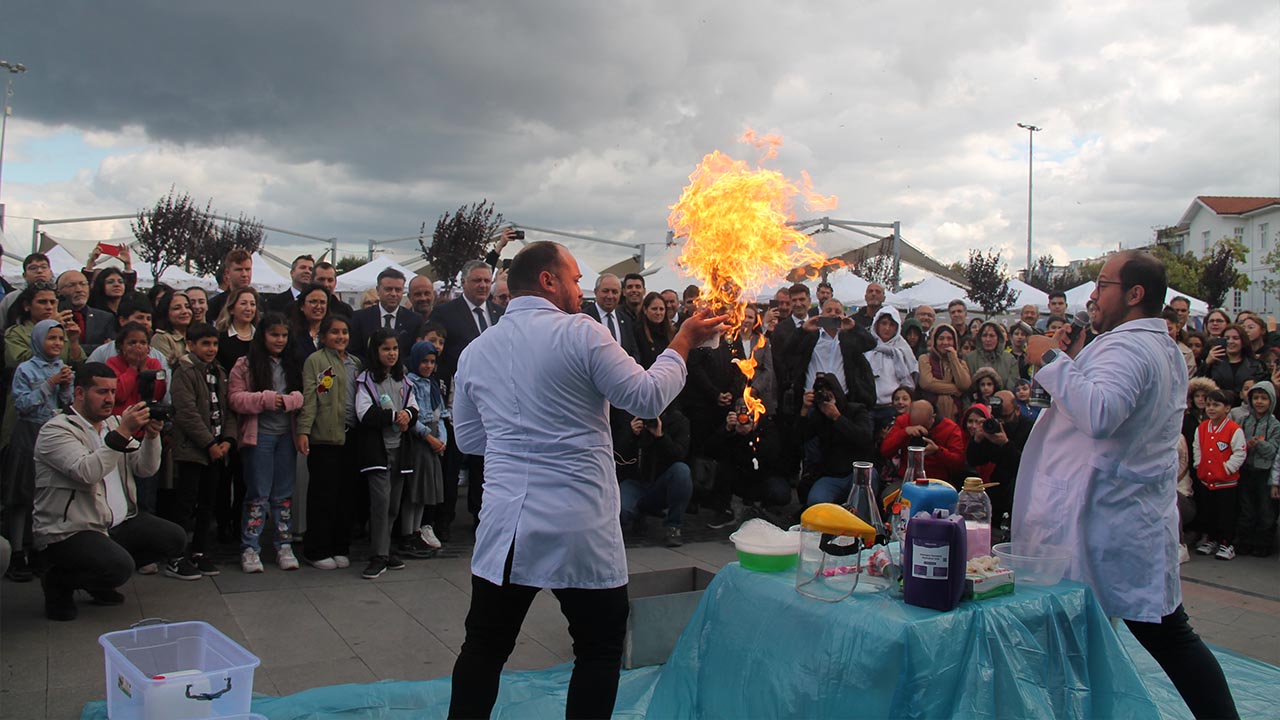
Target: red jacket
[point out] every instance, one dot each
(942, 465)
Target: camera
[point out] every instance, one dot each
(830, 322)
(517, 235)
(995, 403)
(151, 387)
(744, 417)
(651, 422)
(916, 442)
(822, 387)
(991, 426)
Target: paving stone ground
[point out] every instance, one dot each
(312, 628)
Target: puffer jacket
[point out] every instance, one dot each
(72, 461)
(192, 434)
(1262, 455)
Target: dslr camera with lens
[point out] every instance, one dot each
(823, 384)
(151, 387)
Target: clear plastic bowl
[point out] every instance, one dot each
(1045, 567)
(770, 556)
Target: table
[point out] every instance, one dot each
(757, 648)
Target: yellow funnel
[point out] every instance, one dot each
(835, 520)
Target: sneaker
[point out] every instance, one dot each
(182, 569)
(324, 564)
(342, 561)
(206, 566)
(1225, 552)
(250, 562)
(415, 546)
(429, 537)
(377, 565)
(394, 562)
(442, 532)
(1183, 554)
(723, 519)
(674, 538)
(107, 597)
(59, 603)
(285, 558)
(1206, 547)
(19, 571)
(149, 569)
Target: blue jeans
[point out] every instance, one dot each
(269, 470)
(670, 491)
(831, 490)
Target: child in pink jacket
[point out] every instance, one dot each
(265, 391)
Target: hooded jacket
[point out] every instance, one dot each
(921, 347)
(1265, 426)
(892, 363)
(1000, 360)
(34, 399)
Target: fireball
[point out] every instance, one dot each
(733, 220)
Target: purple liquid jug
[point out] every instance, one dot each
(933, 560)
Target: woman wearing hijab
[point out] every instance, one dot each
(944, 376)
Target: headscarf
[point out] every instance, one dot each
(417, 354)
(38, 335)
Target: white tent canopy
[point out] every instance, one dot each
(173, 276)
(265, 277)
(1078, 296)
(932, 291)
(852, 290)
(1028, 295)
(366, 276)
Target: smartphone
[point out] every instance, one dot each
(109, 249)
(829, 322)
(1219, 342)
(64, 304)
(773, 304)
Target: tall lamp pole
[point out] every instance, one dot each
(10, 69)
(1031, 134)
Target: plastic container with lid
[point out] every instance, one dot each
(974, 505)
(923, 495)
(933, 562)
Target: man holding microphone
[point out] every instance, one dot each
(1119, 402)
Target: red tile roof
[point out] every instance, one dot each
(1236, 205)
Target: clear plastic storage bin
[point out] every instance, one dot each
(176, 670)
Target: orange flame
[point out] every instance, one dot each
(747, 367)
(733, 219)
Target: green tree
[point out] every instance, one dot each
(989, 282)
(459, 237)
(1271, 262)
(348, 263)
(1183, 269)
(1220, 274)
(170, 231)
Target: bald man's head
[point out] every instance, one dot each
(1008, 404)
(922, 413)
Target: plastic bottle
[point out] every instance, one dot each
(934, 560)
(863, 502)
(919, 493)
(974, 505)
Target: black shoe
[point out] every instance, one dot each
(442, 533)
(182, 569)
(19, 571)
(59, 603)
(674, 538)
(377, 565)
(207, 567)
(107, 597)
(415, 547)
(394, 562)
(723, 519)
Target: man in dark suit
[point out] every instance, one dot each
(386, 314)
(300, 276)
(463, 318)
(607, 312)
(96, 326)
(237, 272)
(836, 351)
(326, 276)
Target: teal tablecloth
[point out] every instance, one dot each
(757, 648)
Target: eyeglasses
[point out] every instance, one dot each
(1104, 283)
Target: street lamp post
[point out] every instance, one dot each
(1031, 134)
(10, 69)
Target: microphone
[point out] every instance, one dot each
(1079, 322)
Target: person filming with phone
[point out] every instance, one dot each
(1000, 441)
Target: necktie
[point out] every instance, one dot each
(389, 321)
(480, 318)
(612, 330)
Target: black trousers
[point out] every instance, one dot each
(94, 561)
(597, 624)
(1216, 512)
(1188, 663)
(454, 461)
(195, 495)
(329, 497)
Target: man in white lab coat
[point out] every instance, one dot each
(532, 395)
(1119, 403)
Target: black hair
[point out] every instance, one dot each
(127, 330)
(199, 331)
(98, 293)
(529, 264)
(34, 257)
(157, 292)
(1223, 396)
(825, 284)
(259, 360)
(1170, 315)
(327, 323)
(625, 278)
(298, 314)
(294, 265)
(1146, 271)
(1058, 294)
(134, 303)
(20, 311)
(799, 288)
(90, 371)
(437, 327)
(389, 273)
(160, 320)
(691, 292)
(376, 371)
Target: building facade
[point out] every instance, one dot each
(1254, 221)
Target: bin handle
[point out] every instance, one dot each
(209, 696)
(149, 621)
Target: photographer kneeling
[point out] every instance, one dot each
(749, 463)
(661, 480)
(1000, 441)
(841, 431)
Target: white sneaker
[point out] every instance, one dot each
(250, 562)
(342, 561)
(429, 537)
(1183, 554)
(285, 558)
(324, 564)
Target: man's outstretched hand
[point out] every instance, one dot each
(697, 329)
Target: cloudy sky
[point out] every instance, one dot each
(362, 120)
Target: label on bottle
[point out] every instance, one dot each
(930, 562)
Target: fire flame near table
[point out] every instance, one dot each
(733, 219)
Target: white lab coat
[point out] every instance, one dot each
(532, 395)
(1099, 474)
